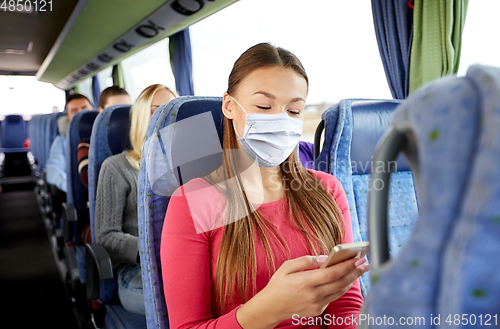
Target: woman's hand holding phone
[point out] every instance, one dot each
(300, 287)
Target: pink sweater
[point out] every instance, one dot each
(189, 257)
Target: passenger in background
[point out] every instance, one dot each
(113, 95)
(56, 163)
(116, 201)
(246, 253)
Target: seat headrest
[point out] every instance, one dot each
(62, 125)
(186, 143)
(85, 125)
(370, 119)
(13, 119)
(119, 129)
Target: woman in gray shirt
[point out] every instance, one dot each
(116, 201)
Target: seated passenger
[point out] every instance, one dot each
(113, 95)
(116, 200)
(255, 269)
(56, 163)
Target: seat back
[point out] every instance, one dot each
(110, 136)
(469, 280)
(352, 129)
(30, 132)
(186, 123)
(112, 124)
(13, 133)
(50, 131)
(79, 130)
(35, 148)
(449, 129)
(42, 143)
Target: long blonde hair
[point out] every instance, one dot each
(312, 208)
(140, 114)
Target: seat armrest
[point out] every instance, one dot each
(99, 258)
(99, 267)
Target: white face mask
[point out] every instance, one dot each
(268, 139)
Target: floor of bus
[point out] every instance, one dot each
(33, 293)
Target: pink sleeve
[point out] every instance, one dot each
(349, 305)
(185, 260)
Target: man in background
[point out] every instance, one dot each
(56, 163)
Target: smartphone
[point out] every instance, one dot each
(346, 251)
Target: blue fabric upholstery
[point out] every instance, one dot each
(50, 131)
(35, 149)
(41, 136)
(45, 135)
(352, 130)
(158, 178)
(32, 134)
(111, 128)
(470, 283)
(448, 265)
(110, 136)
(13, 133)
(79, 129)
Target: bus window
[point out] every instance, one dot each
(26, 96)
(337, 47)
(147, 67)
(105, 78)
(480, 23)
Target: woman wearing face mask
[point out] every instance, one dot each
(116, 200)
(247, 254)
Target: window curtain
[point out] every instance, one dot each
(117, 74)
(437, 39)
(181, 62)
(96, 91)
(393, 20)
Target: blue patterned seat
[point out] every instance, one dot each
(13, 134)
(186, 123)
(352, 130)
(110, 136)
(448, 266)
(76, 212)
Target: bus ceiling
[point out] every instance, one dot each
(71, 40)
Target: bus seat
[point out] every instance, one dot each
(352, 129)
(475, 287)
(54, 197)
(167, 139)
(13, 133)
(110, 136)
(35, 148)
(75, 211)
(41, 141)
(449, 132)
